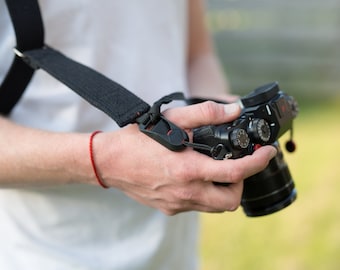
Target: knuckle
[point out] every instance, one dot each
(233, 200)
(184, 194)
(209, 109)
(177, 201)
(184, 172)
(169, 212)
(175, 207)
(230, 206)
(169, 209)
(236, 175)
(234, 205)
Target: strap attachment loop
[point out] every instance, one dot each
(156, 126)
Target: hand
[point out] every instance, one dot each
(175, 182)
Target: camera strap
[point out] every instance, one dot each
(124, 107)
(29, 32)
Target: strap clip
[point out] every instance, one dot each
(26, 59)
(18, 53)
(156, 126)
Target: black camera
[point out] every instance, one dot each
(267, 113)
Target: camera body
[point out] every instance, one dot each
(267, 113)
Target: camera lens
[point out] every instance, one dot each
(270, 190)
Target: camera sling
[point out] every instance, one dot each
(264, 193)
(124, 107)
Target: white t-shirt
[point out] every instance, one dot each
(141, 45)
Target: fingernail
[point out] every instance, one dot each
(231, 108)
(273, 152)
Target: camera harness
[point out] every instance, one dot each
(31, 53)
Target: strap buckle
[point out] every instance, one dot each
(18, 53)
(26, 59)
(156, 126)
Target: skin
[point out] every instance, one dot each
(172, 182)
(180, 181)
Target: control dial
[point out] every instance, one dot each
(239, 138)
(260, 129)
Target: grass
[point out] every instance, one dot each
(306, 235)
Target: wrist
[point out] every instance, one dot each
(92, 156)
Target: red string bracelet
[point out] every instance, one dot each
(101, 183)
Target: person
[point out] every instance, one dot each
(54, 214)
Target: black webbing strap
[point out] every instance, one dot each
(120, 104)
(29, 33)
(110, 97)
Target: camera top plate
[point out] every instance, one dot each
(261, 95)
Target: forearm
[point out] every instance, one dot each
(35, 157)
(205, 74)
(206, 78)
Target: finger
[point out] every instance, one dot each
(217, 199)
(235, 170)
(232, 98)
(204, 197)
(229, 98)
(205, 113)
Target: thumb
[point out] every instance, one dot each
(205, 113)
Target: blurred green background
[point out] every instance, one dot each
(296, 43)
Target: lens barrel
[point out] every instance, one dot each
(270, 190)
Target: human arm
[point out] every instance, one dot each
(33, 157)
(132, 162)
(206, 78)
